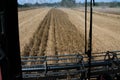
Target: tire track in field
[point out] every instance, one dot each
(42, 47)
(38, 42)
(56, 35)
(70, 39)
(51, 49)
(29, 22)
(106, 29)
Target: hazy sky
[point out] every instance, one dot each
(50, 1)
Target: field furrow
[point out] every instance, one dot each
(105, 28)
(61, 32)
(56, 35)
(29, 21)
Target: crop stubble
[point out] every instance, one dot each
(28, 23)
(64, 33)
(106, 28)
(56, 35)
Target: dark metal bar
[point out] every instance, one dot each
(94, 2)
(90, 40)
(64, 67)
(94, 72)
(101, 71)
(42, 60)
(68, 55)
(85, 26)
(51, 59)
(55, 74)
(63, 74)
(11, 45)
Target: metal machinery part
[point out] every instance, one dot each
(70, 67)
(74, 67)
(10, 62)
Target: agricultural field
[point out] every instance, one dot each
(57, 31)
(108, 10)
(29, 21)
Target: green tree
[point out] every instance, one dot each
(114, 4)
(68, 3)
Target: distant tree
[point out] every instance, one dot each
(27, 5)
(19, 5)
(68, 3)
(36, 4)
(96, 4)
(114, 4)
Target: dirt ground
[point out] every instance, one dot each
(106, 29)
(61, 31)
(56, 35)
(108, 10)
(28, 23)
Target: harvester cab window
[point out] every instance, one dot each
(59, 40)
(69, 39)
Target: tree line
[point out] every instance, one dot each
(70, 3)
(64, 3)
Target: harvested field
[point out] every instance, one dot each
(56, 35)
(25, 9)
(29, 21)
(106, 29)
(61, 31)
(108, 10)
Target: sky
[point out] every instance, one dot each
(51, 1)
